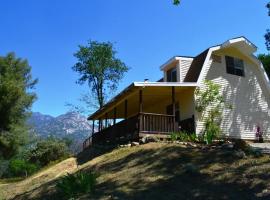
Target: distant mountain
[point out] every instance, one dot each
(71, 125)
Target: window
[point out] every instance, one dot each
(235, 66)
(171, 75)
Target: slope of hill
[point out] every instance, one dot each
(71, 125)
(157, 171)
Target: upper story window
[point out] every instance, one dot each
(171, 75)
(235, 66)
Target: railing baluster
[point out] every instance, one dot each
(147, 123)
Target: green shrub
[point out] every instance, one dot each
(20, 168)
(71, 185)
(174, 136)
(211, 132)
(184, 137)
(209, 100)
(193, 137)
(48, 150)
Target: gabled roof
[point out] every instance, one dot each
(196, 67)
(198, 62)
(194, 75)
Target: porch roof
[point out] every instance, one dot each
(152, 88)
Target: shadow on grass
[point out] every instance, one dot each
(160, 173)
(44, 192)
(93, 152)
(176, 182)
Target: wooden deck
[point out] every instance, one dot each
(134, 128)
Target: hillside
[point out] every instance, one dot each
(158, 171)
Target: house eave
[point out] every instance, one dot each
(136, 86)
(173, 59)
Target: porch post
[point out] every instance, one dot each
(126, 108)
(140, 102)
(140, 110)
(93, 127)
(173, 106)
(114, 116)
(106, 120)
(99, 125)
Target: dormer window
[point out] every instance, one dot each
(171, 75)
(235, 66)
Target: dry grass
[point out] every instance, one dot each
(39, 180)
(159, 171)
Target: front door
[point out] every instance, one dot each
(169, 110)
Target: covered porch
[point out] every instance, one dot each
(141, 109)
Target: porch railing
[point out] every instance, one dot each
(122, 131)
(129, 129)
(152, 123)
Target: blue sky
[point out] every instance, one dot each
(145, 33)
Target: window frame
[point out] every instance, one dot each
(235, 66)
(169, 75)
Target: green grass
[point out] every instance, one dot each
(162, 171)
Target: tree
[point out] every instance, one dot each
(265, 59)
(16, 98)
(48, 150)
(210, 103)
(98, 66)
(18, 167)
(176, 2)
(267, 35)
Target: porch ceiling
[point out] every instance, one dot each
(153, 94)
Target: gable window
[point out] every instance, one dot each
(235, 66)
(171, 75)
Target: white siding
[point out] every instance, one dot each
(184, 67)
(248, 96)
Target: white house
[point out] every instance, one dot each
(161, 107)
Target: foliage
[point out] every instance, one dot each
(267, 35)
(212, 127)
(208, 97)
(174, 136)
(48, 150)
(72, 185)
(19, 167)
(265, 59)
(16, 98)
(184, 136)
(176, 2)
(210, 101)
(99, 68)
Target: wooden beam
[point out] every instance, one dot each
(114, 115)
(140, 110)
(173, 105)
(140, 102)
(106, 120)
(99, 125)
(93, 127)
(126, 108)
